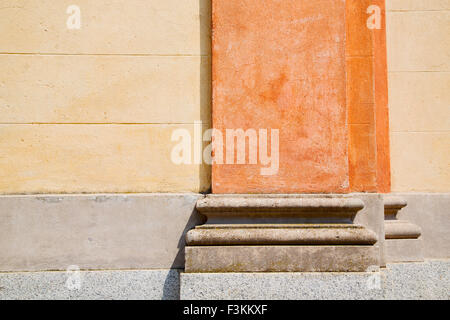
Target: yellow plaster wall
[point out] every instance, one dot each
(418, 34)
(92, 110)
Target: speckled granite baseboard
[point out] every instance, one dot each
(102, 285)
(429, 280)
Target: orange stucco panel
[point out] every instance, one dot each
(307, 69)
(281, 65)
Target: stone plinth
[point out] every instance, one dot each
(217, 259)
(277, 233)
(306, 71)
(403, 243)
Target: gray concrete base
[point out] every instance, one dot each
(91, 285)
(431, 212)
(95, 232)
(429, 280)
(404, 250)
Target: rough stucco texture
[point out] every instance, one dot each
(281, 65)
(368, 116)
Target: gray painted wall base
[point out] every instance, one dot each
(404, 250)
(95, 232)
(429, 280)
(431, 212)
(147, 231)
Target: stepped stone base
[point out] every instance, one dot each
(403, 239)
(219, 259)
(280, 233)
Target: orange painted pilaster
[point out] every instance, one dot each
(382, 104)
(360, 98)
(367, 97)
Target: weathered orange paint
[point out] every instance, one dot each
(308, 69)
(367, 100)
(382, 105)
(281, 65)
(360, 98)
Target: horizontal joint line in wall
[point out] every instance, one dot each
(428, 131)
(418, 71)
(430, 10)
(100, 123)
(103, 54)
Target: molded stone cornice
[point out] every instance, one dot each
(398, 229)
(401, 229)
(403, 242)
(320, 234)
(392, 205)
(219, 209)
